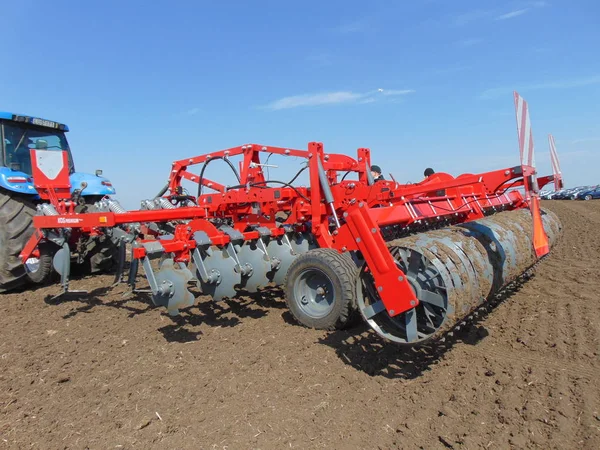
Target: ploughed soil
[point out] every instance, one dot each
(98, 371)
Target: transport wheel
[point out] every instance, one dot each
(39, 269)
(320, 289)
(588, 197)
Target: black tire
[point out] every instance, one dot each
(16, 227)
(44, 268)
(102, 256)
(330, 271)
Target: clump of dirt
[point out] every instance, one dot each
(99, 371)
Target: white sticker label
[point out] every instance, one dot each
(66, 220)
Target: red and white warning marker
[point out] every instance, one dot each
(558, 180)
(525, 135)
(524, 132)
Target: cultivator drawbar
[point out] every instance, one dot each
(412, 260)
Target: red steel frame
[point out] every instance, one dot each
(360, 209)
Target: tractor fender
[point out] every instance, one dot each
(22, 183)
(16, 181)
(96, 185)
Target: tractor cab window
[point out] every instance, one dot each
(20, 138)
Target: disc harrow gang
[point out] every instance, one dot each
(412, 260)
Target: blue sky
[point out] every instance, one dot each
(421, 83)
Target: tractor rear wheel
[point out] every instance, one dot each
(320, 289)
(16, 227)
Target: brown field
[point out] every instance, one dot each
(101, 372)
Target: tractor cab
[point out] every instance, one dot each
(19, 135)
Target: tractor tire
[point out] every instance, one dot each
(16, 227)
(101, 254)
(320, 289)
(102, 257)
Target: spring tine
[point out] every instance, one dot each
(133, 271)
(121, 263)
(131, 279)
(65, 273)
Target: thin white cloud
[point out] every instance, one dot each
(512, 14)
(480, 15)
(395, 92)
(563, 84)
(333, 98)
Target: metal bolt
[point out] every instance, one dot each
(392, 312)
(344, 249)
(360, 205)
(380, 288)
(400, 278)
(413, 303)
(506, 172)
(373, 230)
(357, 239)
(345, 214)
(320, 290)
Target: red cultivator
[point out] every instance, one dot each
(411, 259)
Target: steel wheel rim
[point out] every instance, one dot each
(425, 279)
(314, 292)
(32, 264)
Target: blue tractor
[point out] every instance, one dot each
(19, 200)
